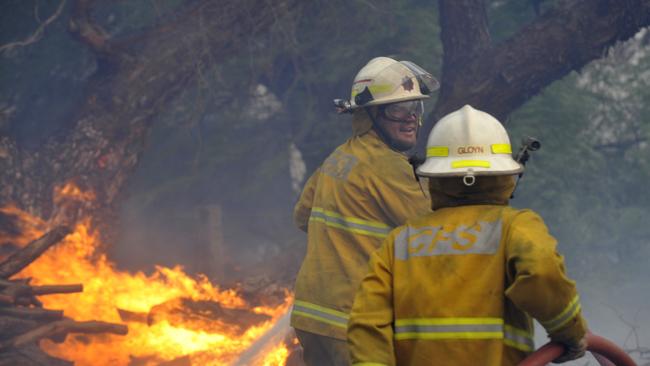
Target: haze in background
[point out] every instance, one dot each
(216, 186)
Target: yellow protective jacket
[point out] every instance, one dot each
(455, 287)
(359, 194)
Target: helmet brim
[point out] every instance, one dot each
(458, 167)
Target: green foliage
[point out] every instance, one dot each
(589, 180)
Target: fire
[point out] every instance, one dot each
(277, 356)
(28, 227)
(70, 191)
(154, 307)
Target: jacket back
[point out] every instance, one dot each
(458, 287)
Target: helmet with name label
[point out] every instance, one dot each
(468, 143)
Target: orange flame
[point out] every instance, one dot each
(28, 227)
(277, 356)
(70, 191)
(151, 340)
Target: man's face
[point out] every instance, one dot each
(400, 122)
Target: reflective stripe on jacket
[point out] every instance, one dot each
(348, 206)
(455, 287)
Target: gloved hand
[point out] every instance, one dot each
(572, 351)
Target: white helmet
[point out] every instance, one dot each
(384, 80)
(466, 143)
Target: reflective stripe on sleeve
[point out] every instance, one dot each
(564, 317)
(464, 328)
(320, 313)
(351, 224)
(518, 338)
(449, 328)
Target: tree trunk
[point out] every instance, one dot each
(136, 80)
(500, 78)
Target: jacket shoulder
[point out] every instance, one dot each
(519, 216)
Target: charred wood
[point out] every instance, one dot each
(205, 313)
(57, 289)
(32, 313)
(17, 293)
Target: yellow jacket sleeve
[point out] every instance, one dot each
(537, 282)
(302, 210)
(370, 331)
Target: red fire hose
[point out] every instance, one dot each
(605, 352)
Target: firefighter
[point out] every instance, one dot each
(363, 190)
(459, 285)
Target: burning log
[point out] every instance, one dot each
(61, 328)
(22, 258)
(57, 289)
(20, 293)
(23, 321)
(174, 319)
(205, 314)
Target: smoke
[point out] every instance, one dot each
(297, 168)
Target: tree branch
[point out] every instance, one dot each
(38, 33)
(500, 79)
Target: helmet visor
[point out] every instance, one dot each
(428, 84)
(403, 111)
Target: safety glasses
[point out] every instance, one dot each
(403, 111)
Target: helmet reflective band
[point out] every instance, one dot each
(468, 142)
(402, 111)
(384, 80)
